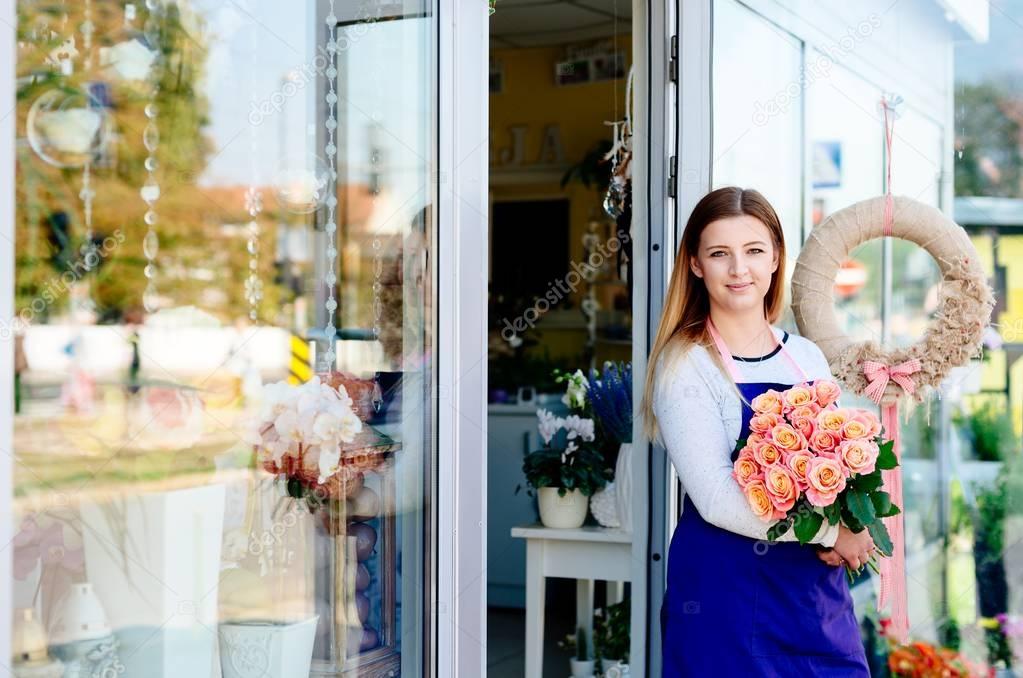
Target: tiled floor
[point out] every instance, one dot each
(506, 635)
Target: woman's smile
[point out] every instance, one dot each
(740, 287)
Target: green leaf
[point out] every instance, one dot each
(807, 525)
(859, 505)
(778, 529)
(850, 520)
(867, 482)
(883, 504)
(833, 513)
(882, 540)
(886, 459)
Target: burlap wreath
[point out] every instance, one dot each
(964, 310)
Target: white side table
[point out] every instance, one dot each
(584, 554)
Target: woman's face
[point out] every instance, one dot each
(736, 260)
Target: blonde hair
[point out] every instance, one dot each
(687, 304)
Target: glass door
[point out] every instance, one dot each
(224, 323)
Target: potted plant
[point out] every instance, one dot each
(611, 637)
(609, 395)
(581, 664)
(566, 471)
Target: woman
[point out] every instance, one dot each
(737, 605)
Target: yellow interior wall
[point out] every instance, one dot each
(530, 98)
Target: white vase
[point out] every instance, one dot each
(582, 669)
(80, 616)
(623, 486)
(254, 649)
(604, 506)
(563, 512)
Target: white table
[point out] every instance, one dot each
(584, 554)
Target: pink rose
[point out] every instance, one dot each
(832, 420)
(746, 469)
(797, 396)
(824, 441)
(871, 420)
(788, 438)
(808, 410)
(798, 462)
(763, 423)
(767, 402)
(755, 438)
(859, 455)
(766, 453)
(827, 391)
(782, 487)
(825, 479)
(805, 425)
(760, 501)
(856, 427)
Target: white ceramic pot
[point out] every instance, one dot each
(79, 617)
(615, 668)
(257, 649)
(623, 486)
(564, 512)
(582, 669)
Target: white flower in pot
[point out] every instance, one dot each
(566, 471)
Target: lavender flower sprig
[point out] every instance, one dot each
(610, 396)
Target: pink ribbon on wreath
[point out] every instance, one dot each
(893, 568)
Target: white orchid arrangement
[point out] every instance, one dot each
(572, 464)
(304, 427)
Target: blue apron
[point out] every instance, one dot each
(737, 606)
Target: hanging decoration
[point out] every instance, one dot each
(150, 191)
(330, 150)
(253, 195)
(886, 376)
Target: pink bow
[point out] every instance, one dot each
(878, 375)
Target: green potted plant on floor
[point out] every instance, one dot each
(581, 664)
(566, 471)
(611, 638)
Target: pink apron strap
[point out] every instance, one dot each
(733, 369)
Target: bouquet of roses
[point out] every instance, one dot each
(808, 460)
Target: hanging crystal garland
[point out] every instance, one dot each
(90, 257)
(253, 196)
(150, 191)
(330, 277)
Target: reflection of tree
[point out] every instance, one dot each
(989, 119)
(197, 253)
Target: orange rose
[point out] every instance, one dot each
(788, 438)
(782, 487)
(824, 441)
(859, 456)
(766, 453)
(832, 420)
(855, 428)
(871, 421)
(763, 423)
(825, 478)
(755, 438)
(760, 501)
(827, 391)
(767, 402)
(808, 410)
(797, 462)
(797, 396)
(746, 469)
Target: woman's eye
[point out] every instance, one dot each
(714, 254)
(756, 250)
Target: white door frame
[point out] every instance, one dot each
(8, 119)
(460, 608)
